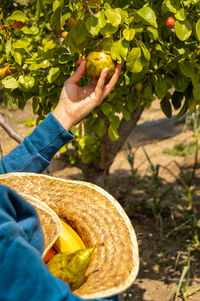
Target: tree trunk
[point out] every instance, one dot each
(99, 173)
(109, 148)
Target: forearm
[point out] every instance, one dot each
(37, 149)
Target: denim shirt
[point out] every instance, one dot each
(37, 149)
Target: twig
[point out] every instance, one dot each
(1, 151)
(28, 53)
(10, 131)
(85, 4)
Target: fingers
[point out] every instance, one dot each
(110, 85)
(100, 83)
(78, 74)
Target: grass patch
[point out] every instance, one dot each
(29, 122)
(180, 149)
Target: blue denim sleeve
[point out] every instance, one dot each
(24, 276)
(37, 149)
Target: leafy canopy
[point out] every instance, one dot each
(166, 60)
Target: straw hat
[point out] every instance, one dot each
(96, 216)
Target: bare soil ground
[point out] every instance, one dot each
(154, 133)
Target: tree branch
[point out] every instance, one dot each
(85, 4)
(9, 130)
(109, 149)
(125, 129)
(1, 151)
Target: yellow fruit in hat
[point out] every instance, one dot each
(68, 240)
(71, 268)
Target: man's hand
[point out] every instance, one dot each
(76, 102)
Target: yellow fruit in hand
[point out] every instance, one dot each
(68, 240)
(100, 58)
(71, 268)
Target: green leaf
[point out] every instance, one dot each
(196, 92)
(192, 105)
(148, 93)
(18, 16)
(146, 56)
(177, 98)
(161, 87)
(124, 48)
(183, 30)
(18, 55)
(148, 16)
(173, 5)
(58, 17)
(26, 83)
(182, 110)
(198, 29)
(49, 45)
(153, 33)
(39, 5)
(101, 18)
(35, 105)
(30, 31)
(106, 108)
(18, 98)
(93, 26)
(134, 63)
(119, 49)
(53, 74)
(187, 68)
(10, 83)
(113, 16)
(100, 127)
(108, 29)
(123, 13)
(57, 4)
(181, 15)
(126, 113)
(113, 132)
(115, 121)
(35, 66)
(166, 107)
(79, 30)
(180, 82)
(21, 43)
(8, 47)
(129, 34)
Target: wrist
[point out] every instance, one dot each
(63, 118)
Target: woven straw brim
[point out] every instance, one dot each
(99, 220)
(51, 223)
